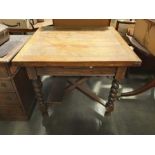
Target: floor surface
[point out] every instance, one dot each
(80, 115)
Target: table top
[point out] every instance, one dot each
(10, 48)
(57, 46)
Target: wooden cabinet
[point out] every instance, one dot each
(16, 91)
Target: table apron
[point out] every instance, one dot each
(63, 71)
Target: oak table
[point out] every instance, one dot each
(85, 52)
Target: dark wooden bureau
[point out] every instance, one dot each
(16, 91)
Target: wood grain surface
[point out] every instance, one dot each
(59, 46)
(9, 49)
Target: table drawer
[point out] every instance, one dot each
(6, 86)
(7, 99)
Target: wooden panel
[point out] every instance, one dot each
(10, 114)
(57, 46)
(81, 22)
(16, 91)
(25, 91)
(18, 105)
(10, 108)
(85, 71)
(8, 98)
(6, 86)
(120, 73)
(3, 71)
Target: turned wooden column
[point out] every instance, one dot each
(37, 86)
(112, 95)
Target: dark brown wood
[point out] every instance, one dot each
(19, 30)
(24, 90)
(15, 85)
(37, 85)
(32, 73)
(75, 71)
(13, 97)
(6, 86)
(112, 95)
(148, 60)
(3, 71)
(140, 90)
(8, 98)
(81, 22)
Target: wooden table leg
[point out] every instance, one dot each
(112, 95)
(37, 84)
(117, 25)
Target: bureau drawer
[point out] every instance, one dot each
(3, 71)
(10, 108)
(11, 113)
(7, 99)
(6, 86)
(7, 70)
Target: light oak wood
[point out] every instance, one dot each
(80, 51)
(57, 46)
(120, 73)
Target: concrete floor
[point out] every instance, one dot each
(80, 115)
